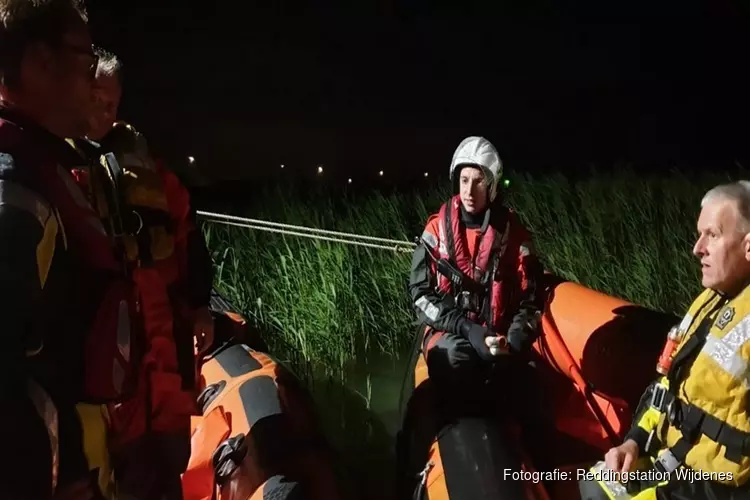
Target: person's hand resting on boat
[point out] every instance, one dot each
(623, 457)
(480, 338)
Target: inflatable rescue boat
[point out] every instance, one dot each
(595, 356)
(258, 437)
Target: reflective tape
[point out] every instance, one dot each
(614, 489)
(726, 351)
(47, 411)
(18, 196)
(429, 239)
(429, 309)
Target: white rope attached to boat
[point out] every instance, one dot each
(402, 246)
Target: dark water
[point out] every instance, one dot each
(381, 378)
(361, 417)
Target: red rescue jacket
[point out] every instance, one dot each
(159, 253)
(497, 252)
(108, 367)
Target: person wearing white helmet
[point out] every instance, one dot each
(475, 279)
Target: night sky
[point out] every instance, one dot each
(247, 86)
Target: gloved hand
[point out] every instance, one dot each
(476, 335)
(519, 340)
(522, 332)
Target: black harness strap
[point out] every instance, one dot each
(737, 442)
(686, 356)
(449, 236)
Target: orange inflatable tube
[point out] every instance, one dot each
(608, 349)
(464, 458)
(258, 436)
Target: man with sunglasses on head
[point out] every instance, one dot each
(59, 307)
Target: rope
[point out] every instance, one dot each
(212, 215)
(277, 227)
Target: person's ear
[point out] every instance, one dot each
(746, 246)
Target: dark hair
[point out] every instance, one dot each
(109, 64)
(25, 22)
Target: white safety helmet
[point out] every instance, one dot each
(479, 152)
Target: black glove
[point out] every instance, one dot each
(517, 341)
(521, 335)
(476, 334)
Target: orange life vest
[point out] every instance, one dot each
(491, 259)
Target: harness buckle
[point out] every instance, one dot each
(658, 397)
(467, 301)
(667, 462)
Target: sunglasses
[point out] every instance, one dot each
(83, 51)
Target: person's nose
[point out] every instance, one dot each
(699, 249)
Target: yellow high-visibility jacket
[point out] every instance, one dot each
(710, 395)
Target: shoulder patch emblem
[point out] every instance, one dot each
(725, 317)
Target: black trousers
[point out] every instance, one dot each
(466, 385)
(150, 467)
(27, 473)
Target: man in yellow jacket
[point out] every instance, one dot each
(691, 433)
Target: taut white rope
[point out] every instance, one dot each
(309, 232)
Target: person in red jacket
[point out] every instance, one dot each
(485, 242)
(475, 284)
(59, 275)
(173, 272)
